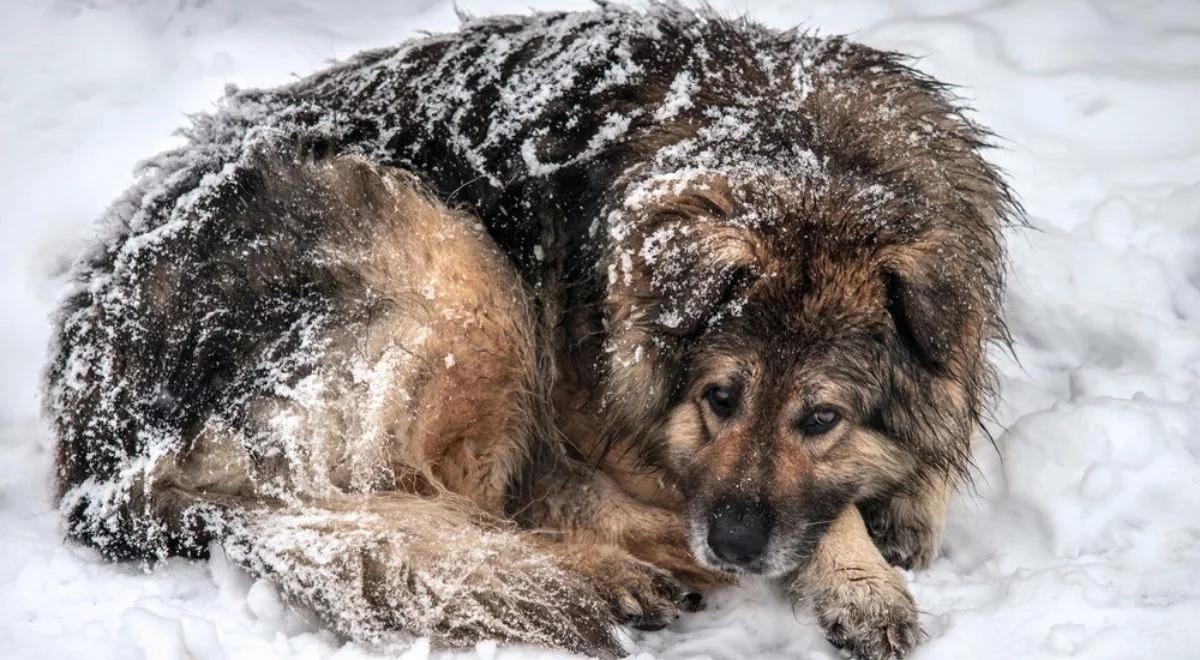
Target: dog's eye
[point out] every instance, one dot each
(723, 400)
(819, 421)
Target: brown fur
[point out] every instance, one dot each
(501, 419)
(449, 430)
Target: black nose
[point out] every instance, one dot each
(738, 533)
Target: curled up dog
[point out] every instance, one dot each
(547, 325)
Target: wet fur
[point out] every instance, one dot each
(361, 356)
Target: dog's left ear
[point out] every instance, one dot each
(925, 315)
(934, 313)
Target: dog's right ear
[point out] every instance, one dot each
(676, 261)
(720, 267)
(689, 261)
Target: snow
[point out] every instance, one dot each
(678, 98)
(1081, 537)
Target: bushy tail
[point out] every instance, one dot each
(380, 567)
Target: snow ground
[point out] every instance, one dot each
(1083, 535)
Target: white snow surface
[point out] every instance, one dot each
(1082, 535)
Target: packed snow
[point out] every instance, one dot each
(1082, 534)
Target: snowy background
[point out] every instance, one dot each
(1082, 537)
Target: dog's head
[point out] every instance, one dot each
(792, 348)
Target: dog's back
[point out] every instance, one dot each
(320, 332)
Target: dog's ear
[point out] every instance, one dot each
(711, 273)
(681, 258)
(934, 312)
(925, 314)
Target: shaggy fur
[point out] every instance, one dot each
(489, 335)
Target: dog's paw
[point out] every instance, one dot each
(869, 614)
(907, 527)
(639, 593)
(665, 546)
(909, 546)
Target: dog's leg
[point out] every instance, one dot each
(638, 592)
(635, 553)
(379, 566)
(860, 601)
(907, 525)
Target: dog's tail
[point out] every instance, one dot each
(380, 567)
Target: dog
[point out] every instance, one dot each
(544, 326)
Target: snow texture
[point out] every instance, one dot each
(1081, 537)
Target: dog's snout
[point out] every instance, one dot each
(738, 533)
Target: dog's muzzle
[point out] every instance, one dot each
(738, 534)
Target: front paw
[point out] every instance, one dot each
(640, 594)
(908, 533)
(909, 546)
(868, 613)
